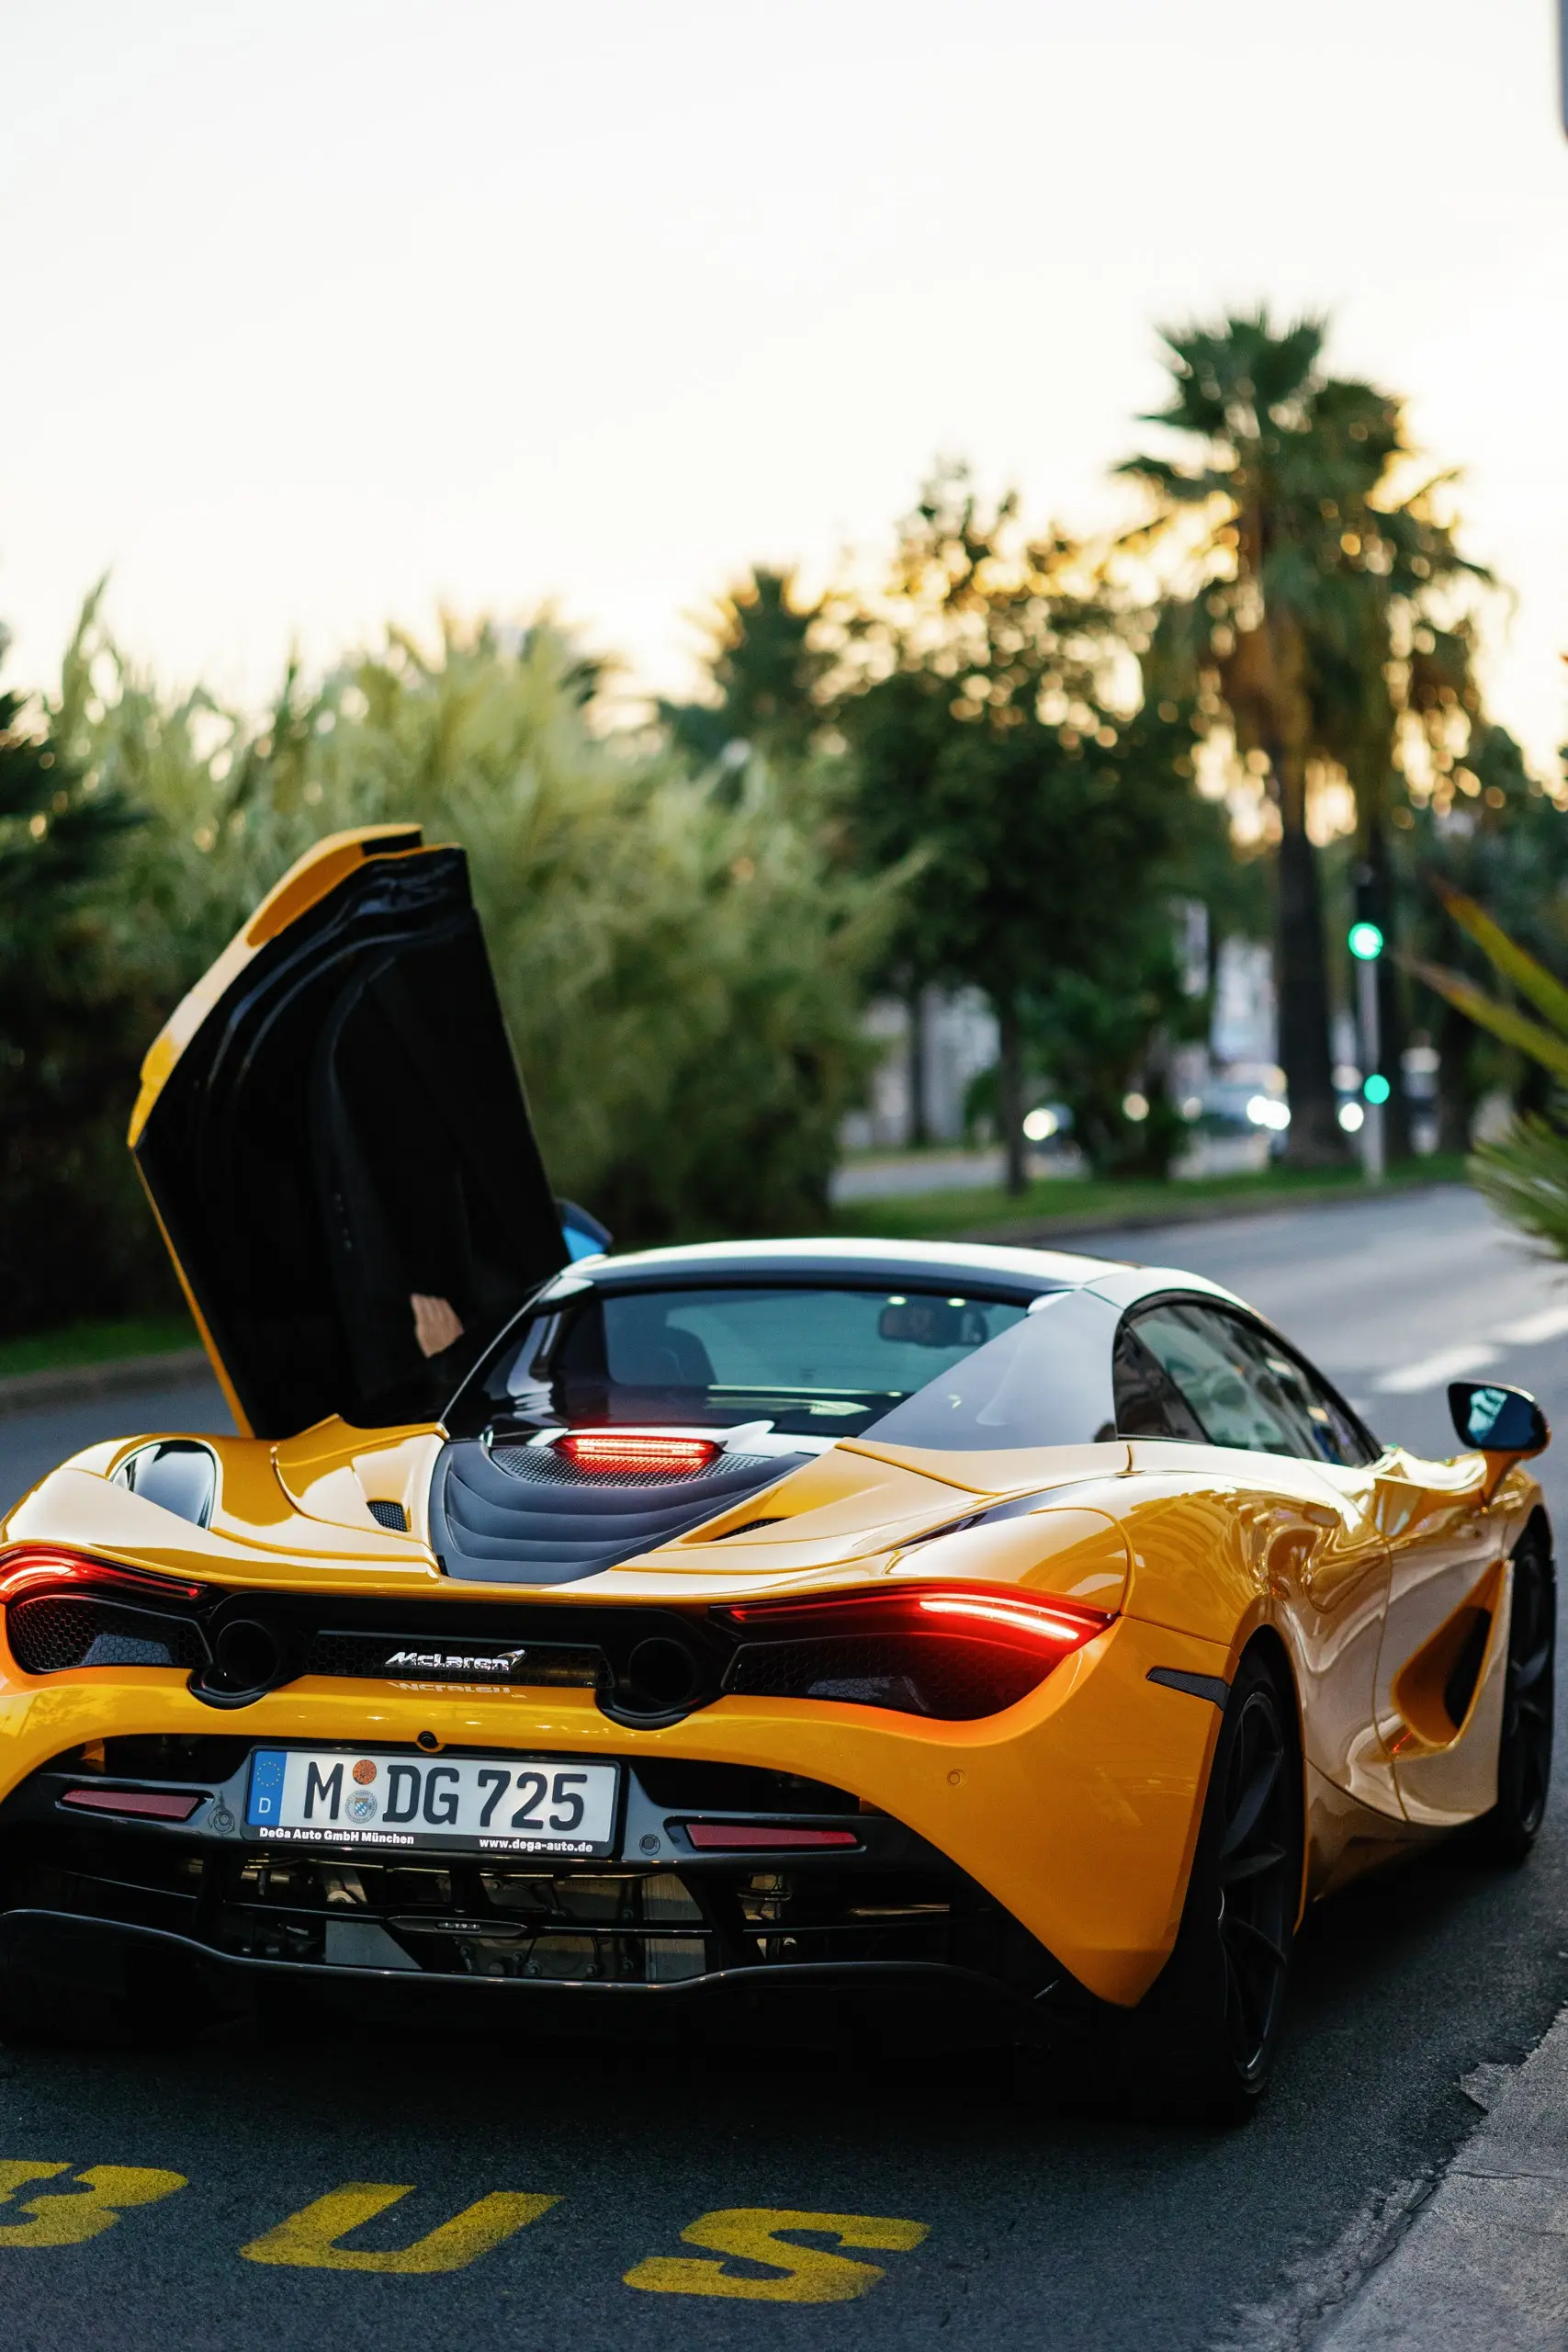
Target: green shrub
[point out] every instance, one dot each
(680, 962)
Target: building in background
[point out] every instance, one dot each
(958, 1041)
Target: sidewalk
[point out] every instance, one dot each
(1483, 2267)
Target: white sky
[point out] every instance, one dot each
(319, 312)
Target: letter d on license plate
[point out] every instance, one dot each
(485, 1804)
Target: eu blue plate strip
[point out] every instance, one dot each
(265, 1805)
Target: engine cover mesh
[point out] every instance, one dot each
(489, 1520)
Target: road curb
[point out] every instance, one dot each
(1484, 2258)
(1056, 1233)
(25, 1392)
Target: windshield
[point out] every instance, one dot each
(804, 1360)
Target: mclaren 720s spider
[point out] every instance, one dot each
(678, 1635)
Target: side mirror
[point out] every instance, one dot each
(1497, 1421)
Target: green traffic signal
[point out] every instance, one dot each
(1376, 1088)
(1365, 941)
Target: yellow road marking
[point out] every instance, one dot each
(807, 2274)
(93, 2205)
(309, 2239)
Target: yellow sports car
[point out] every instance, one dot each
(629, 1635)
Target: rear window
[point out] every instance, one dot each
(824, 1360)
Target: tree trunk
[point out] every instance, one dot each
(1456, 1098)
(1393, 1026)
(1317, 1139)
(1010, 1091)
(920, 1112)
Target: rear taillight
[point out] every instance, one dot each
(29, 1568)
(614, 1453)
(64, 1610)
(952, 1652)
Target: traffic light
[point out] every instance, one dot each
(1365, 941)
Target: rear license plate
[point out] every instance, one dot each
(485, 1804)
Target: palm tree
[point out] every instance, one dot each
(1392, 644)
(764, 668)
(1257, 515)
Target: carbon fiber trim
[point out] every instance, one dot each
(1211, 1687)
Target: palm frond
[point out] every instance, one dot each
(1532, 979)
(1523, 1174)
(1503, 1020)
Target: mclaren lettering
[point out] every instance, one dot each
(455, 1662)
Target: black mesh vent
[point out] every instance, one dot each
(488, 1520)
(51, 1633)
(390, 1515)
(916, 1674)
(543, 1466)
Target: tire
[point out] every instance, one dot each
(1505, 1835)
(1201, 2042)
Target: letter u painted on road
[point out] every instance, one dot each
(308, 2240)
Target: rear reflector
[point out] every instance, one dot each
(730, 1837)
(141, 1804)
(614, 1451)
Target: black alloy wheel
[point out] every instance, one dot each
(1201, 2042)
(1524, 1743)
(1260, 1879)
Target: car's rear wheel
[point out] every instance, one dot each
(1203, 2042)
(1524, 1744)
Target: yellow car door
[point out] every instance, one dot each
(1231, 1403)
(1440, 1667)
(334, 1134)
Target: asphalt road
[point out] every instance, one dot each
(972, 2207)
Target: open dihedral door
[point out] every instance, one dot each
(334, 1133)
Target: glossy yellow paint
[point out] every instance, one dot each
(1077, 1808)
(1225, 1542)
(1097, 1872)
(305, 884)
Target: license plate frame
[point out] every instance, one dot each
(443, 1802)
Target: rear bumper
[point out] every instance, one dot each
(877, 1905)
(88, 1971)
(1072, 1816)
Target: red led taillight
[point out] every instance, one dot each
(613, 1451)
(29, 1568)
(954, 1651)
